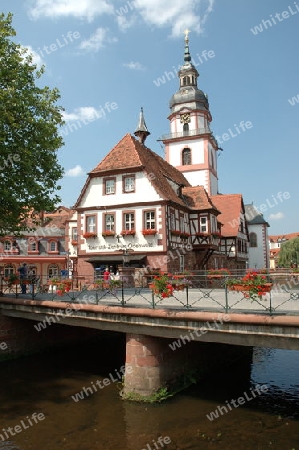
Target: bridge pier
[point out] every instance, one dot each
(151, 364)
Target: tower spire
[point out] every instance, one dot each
(187, 56)
(141, 131)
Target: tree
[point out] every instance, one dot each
(289, 253)
(29, 136)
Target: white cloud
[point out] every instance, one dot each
(97, 40)
(276, 216)
(36, 58)
(83, 9)
(176, 14)
(77, 171)
(83, 113)
(134, 65)
(124, 22)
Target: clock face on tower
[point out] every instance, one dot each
(185, 118)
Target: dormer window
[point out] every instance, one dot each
(7, 246)
(32, 245)
(53, 246)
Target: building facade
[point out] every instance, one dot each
(275, 242)
(139, 209)
(259, 254)
(43, 249)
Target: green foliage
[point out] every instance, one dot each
(29, 136)
(289, 253)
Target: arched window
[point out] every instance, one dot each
(52, 270)
(186, 81)
(253, 240)
(53, 246)
(185, 128)
(186, 156)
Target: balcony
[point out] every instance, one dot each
(189, 133)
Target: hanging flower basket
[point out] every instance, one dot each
(74, 243)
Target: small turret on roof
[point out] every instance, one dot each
(141, 131)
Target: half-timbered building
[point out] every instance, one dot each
(139, 209)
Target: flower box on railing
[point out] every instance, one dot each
(89, 235)
(128, 232)
(107, 233)
(199, 234)
(148, 232)
(245, 288)
(216, 234)
(74, 243)
(254, 284)
(218, 273)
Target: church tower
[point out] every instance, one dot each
(191, 146)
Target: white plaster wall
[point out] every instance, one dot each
(197, 178)
(175, 150)
(138, 242)
(256, 254)
(94, 193)
(200, 121)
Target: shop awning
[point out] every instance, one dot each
(114, 258)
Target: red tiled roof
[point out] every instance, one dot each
(198, 198)
(130, 154)
(56, 218)
(231, 206)
(275, 237)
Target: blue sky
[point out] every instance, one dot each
(106, 57)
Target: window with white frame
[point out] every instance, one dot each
(8, 270)
(172, 221)
(253, 240)
(129, 183)
(109, 222)
(149, 220)
(7, 246)
(203, 225)
(74, 234)
(52, 246)
(52, 270)
(91, 224)
(33, 246)
(129, 221)
(110, 186)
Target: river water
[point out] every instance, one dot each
(47, 385)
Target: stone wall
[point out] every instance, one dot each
(18, 337)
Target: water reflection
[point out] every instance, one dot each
(102, 421)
